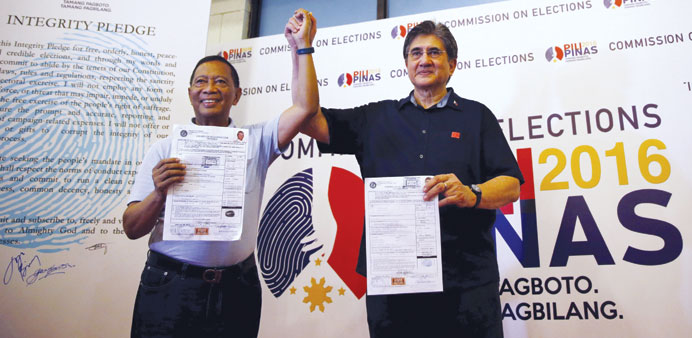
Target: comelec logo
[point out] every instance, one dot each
(578, 51)
(616, 4)
(554, 54)
(287, 242)
(345, 80)
(360, 78)
(399, 32)
(612, 3)
(236, 55)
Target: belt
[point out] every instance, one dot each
(211, 275)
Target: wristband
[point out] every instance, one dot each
(308, 50)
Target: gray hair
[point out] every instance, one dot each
(439, 30)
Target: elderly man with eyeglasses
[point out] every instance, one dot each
(434, 131)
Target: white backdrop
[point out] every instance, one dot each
(596, 93)
(609, 196)
(85, 87)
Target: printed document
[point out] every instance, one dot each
(402, 235)
(208, 204)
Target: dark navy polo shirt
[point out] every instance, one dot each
(459, 136)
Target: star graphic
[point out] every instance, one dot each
(318, 262)
(341, 291)
(293, 290)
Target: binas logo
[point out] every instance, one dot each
(345, 80)
(237, 54)
(359, 78)
(400, 31)
(612, 3)
(554, 54)
(578, 51)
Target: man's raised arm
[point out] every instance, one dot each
(300, 32)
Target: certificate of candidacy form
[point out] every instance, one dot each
(208, 204)
(403, 237)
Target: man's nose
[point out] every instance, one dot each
(210, 87)
(425, 59)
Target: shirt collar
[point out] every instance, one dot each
(449, 100)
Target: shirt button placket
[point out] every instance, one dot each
(426, 140)
(423, 132)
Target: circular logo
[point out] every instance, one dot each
(398, 32)
(183, 133)
(554, 54)
(612, 3)
(345, 80)
(373, 185)
(230, 213)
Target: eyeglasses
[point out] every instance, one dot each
(418, 53)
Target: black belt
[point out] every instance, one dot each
(208, 274)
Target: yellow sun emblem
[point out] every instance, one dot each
(317, 294)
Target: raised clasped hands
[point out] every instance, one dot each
(301, 29)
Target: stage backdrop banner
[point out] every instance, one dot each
(593, 97)
(85, 88)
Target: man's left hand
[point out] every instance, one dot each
(454, 192)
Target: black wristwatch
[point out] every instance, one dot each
(477, 191)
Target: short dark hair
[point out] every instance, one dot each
(219, 58)
(439, 30)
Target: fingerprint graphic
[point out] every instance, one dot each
(286, 221)
(73, 117)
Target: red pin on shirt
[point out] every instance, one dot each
(456, 134)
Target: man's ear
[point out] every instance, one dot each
(238, 93)
(452, 66)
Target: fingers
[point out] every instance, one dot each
(167, 172)
(293, 25)
(308, 20)
(455, 195)
(449, 186)
(168, 161)
(300, 29)
(290, 29)
(313, 20)
(301, 14)
(437, 185)
(437, 189)
(433, 181)
(302, 19)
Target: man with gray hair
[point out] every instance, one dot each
(433, 131)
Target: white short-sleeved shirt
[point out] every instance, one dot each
(262, 151)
